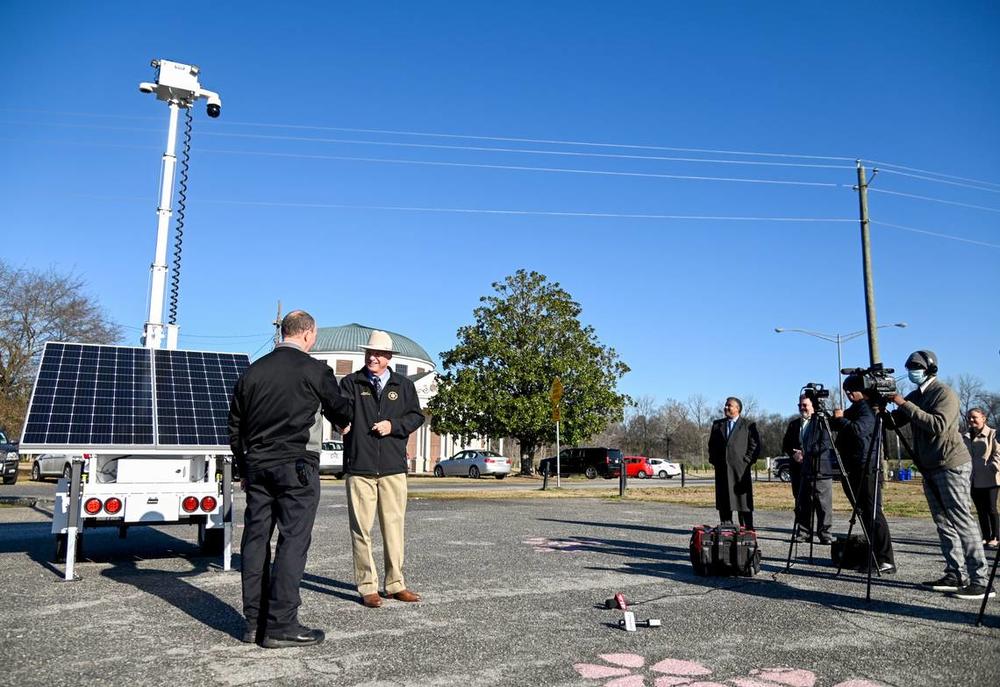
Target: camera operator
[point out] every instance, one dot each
(855, 433)
(932, 411)
(791, 446)
(819, 466)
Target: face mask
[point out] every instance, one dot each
(918, 377)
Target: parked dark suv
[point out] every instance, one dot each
(606, 462)
(9, 458)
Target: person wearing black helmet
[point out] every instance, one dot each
(855, 432)
(932, 411)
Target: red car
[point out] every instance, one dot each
(638, 466)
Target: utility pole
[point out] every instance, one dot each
(277, 326)
(866, 259)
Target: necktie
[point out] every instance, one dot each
(377, 383)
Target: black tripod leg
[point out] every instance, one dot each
(850, 529)
(795, 525)
(989, 588)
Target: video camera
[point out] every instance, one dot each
(816, 393)
(878, 383)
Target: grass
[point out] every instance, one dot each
(902, 499)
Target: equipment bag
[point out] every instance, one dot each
(701, 549)
(747, 553)
(724, 553)
(849, 552)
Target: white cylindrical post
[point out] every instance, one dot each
(558, 466)
(153, 334)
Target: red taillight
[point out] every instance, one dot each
(208, 503)
(113, 505)
(92, 506)
(488, 460)
(189, 504)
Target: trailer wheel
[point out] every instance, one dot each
(211, 541)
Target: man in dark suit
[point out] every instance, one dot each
(733, 446)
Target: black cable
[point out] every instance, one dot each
(175, 274)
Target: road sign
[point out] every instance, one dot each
(555, 395)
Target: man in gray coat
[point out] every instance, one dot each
(932, 411)
(733, 446)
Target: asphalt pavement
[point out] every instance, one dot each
(513, 593)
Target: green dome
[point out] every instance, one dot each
(351, 337)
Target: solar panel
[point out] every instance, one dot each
(93, 396)
(192, 396)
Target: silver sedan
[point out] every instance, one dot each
(474, 463)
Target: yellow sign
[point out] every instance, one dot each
(555, 395)
(556, 392)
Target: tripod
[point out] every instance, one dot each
(870, 470)
(824, 427)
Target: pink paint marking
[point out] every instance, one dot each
(627, 660)
(676, 666)
(627, 681)
(750, 682)
(859, 683)
(596, 672)
(671, 681)
(793, 677)
(706, 684)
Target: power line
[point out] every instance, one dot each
(935, 233)
(939, 181)
(872, 189)
(435, 146)
(884, 165)
(508, 139)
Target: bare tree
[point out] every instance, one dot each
(36, 307)
(970, 392)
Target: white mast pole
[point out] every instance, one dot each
(153, 333)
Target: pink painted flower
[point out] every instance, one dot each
(623, 670)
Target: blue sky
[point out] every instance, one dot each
(276, 213)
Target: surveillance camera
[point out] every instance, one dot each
(214, 105)
(146, 87)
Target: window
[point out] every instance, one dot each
(402, 369)
(343, 367)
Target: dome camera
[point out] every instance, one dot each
(214, 105)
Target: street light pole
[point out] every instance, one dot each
(838, 339)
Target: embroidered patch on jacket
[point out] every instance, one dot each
(392, 395)
(365, 392)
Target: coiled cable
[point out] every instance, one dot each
(175, 274)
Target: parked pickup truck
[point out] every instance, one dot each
(10, 457)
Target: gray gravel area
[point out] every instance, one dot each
(513, 595)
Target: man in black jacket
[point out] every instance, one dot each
(386, 412)
(275, 436)
(855, 432)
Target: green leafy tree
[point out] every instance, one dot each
(496, 381)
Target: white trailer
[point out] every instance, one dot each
(145, 437)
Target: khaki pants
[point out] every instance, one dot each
(387, 495)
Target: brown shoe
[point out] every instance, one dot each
(406, 595)
(371, 600)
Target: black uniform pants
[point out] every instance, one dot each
(283, 496)
(864, 483)
(745, 517)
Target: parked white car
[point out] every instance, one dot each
(331, 459)
(664, 469)
(50, 465)
(474, 463)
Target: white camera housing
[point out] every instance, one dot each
(178, 83)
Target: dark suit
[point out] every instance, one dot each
(732, 456)
(789, 443)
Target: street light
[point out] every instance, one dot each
(838, 339)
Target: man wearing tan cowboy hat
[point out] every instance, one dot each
(386, 412)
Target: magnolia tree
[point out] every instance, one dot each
(496, 381)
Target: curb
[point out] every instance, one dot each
(24, 501)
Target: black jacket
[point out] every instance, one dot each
(732, 458)
(365, 452)
(817, 451)
(273, 416)
(854, 435)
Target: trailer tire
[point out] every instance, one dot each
(211, 541)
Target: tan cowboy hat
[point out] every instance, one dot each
(379, 341)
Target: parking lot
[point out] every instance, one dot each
(513, 595)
